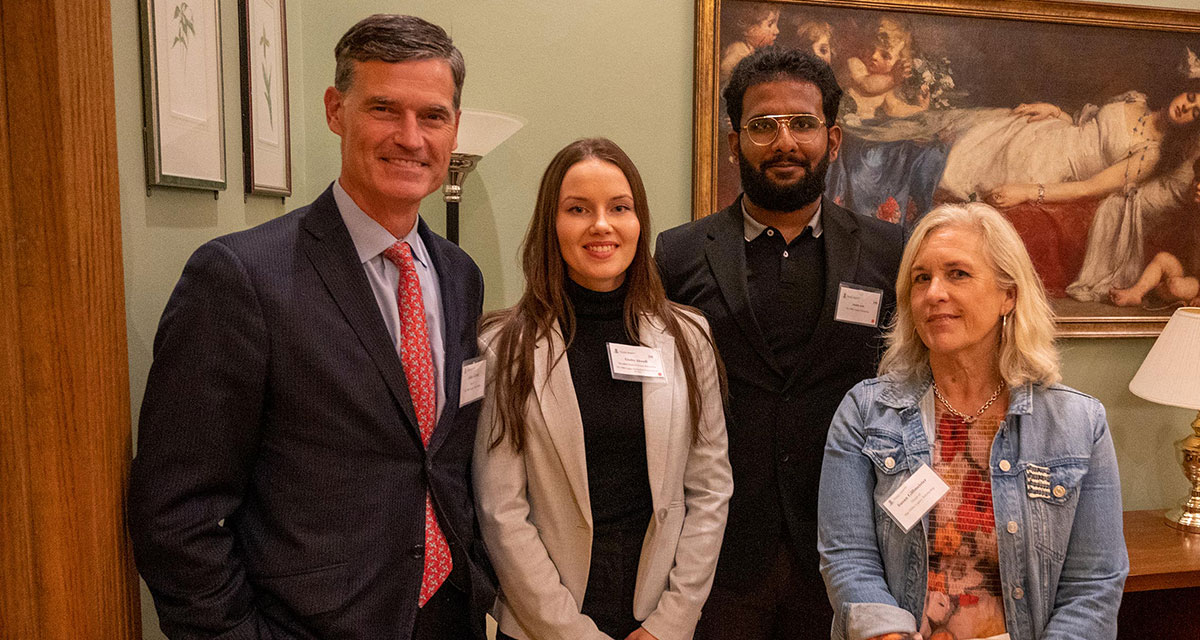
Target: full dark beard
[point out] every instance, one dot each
(775, 197)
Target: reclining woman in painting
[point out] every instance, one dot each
(1026, 542)
(601, 473)
(1132, 155)
(1040, 153)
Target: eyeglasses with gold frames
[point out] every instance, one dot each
(803, 127)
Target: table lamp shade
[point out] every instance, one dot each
(1170, 374)
(480, 131)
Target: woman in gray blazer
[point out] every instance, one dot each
(601, 474)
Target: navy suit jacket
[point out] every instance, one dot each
(777, 420)
(279, 486)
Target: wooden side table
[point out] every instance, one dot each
(1160, 557)
(1164, 580)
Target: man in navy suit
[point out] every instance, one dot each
(796, 290)
(304, 449)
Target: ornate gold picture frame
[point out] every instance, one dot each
(930, 115)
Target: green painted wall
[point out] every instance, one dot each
(161, 229)
(618, 68)
(571, 69)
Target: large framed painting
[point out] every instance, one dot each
(266, 121)
(184, 107)
(1080, 122)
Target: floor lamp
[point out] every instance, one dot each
(479, 132)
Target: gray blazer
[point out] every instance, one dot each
(535, 515)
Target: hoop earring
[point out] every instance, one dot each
(1003, 326)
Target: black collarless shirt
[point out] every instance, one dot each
(786, 284)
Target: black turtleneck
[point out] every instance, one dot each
(615, 444)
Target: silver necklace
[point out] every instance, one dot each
(958, 414)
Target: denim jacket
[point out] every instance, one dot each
(1061, 548)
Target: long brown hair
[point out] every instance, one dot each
(518, 328)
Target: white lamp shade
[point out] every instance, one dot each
(481, 131)
(1170, 374)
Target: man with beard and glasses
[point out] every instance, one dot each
(796, 290)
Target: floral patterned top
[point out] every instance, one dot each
(964, 599)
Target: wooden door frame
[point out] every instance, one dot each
(64, 375)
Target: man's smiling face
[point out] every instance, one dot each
(398, 126)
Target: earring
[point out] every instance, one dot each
(1003, 325)
(732, 159)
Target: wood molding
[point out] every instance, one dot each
(704, 107)
(17, 609)
(65, 447)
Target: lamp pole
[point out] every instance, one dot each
(479, 132)
(460, 165)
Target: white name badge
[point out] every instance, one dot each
(635, 364)
(474, 375)
(915, 497)
(858, 304)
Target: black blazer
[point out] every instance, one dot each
(279, 486)
(777, 422)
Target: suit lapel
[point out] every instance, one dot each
(560, 411)
(453, 318)
(657, 408)
(726, 254)
(842, 246)
(331, 252)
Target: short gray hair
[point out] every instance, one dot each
(1027, 351)
(396, 38)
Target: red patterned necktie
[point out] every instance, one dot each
(417, 359)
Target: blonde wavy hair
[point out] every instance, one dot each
(1027, 350)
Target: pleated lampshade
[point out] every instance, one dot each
(1170, 374)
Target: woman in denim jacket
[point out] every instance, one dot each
(1026, 543)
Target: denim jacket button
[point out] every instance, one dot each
(1005, 465)
(890, 462)
(1012, 526)
(1018, 593)
(1059, 491)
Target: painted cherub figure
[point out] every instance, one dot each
(873, 82)
(816, 36)
(756, 26)
(1165, 275)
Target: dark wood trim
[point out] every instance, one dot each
(17, 608)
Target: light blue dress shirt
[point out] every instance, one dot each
(371, 239)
